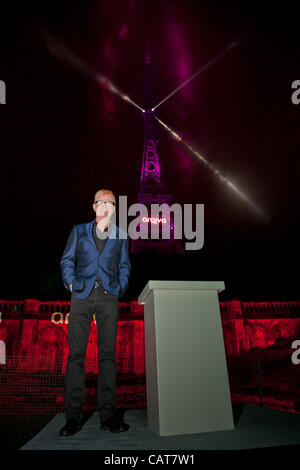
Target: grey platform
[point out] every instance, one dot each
(256, 427)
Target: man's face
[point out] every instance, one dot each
(102, 210)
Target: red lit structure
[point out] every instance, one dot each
(38, 330)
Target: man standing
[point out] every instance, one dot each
(95, 267)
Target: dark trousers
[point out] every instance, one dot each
(105, 308)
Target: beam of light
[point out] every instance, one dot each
(111, 87)
(222, 178)
(204, 67)
(58, 49)
(61, 51)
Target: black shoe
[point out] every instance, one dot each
(71, 427)
(114, 424)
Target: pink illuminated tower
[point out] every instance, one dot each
(152, 185)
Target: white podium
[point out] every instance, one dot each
(186, 371)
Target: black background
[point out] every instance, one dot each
(63, 136)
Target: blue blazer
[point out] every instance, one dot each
(81, 262)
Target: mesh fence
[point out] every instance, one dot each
(31, 393)
(265, 377)
(32, 388)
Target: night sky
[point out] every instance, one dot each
(64, 136)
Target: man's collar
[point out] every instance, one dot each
(110, 226)
(106, 229)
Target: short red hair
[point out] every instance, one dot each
(105, 191)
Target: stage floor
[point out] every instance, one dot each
(255, 427)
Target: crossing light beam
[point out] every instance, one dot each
(217, 173)
(63, 53)
(202, 69)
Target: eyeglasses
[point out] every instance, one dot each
(105, 203)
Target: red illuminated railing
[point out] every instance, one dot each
(132, 307)
(63, 306)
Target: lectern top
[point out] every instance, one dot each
(218, 286)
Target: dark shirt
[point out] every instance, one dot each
(100, 242)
